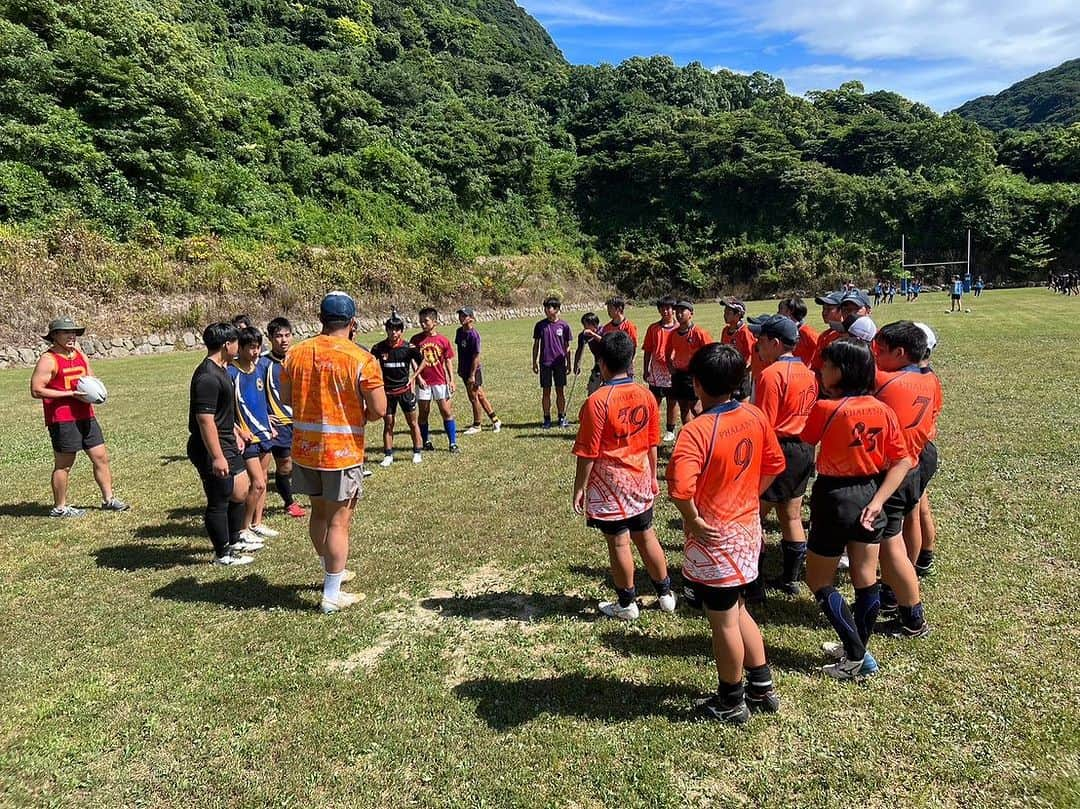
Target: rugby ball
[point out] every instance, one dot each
(90, 389)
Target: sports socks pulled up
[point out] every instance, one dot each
(283, 484)
(451, 430)
(836, 609)
(793, 554)
(627, 596)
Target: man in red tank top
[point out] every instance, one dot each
(70, 419)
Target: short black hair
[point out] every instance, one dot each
(666, 301)
(906, 335)
(552, 301)
(795, 307)
(855, 361)
(249, 336)
(395, 322)
(617, 302)
(242, 321)
(718, 368)
(590, 319)
(278, 325)
(616, 351)
(429, 311)
(216, 335)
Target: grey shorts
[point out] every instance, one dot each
(338, 485)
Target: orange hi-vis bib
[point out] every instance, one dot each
(327, 375)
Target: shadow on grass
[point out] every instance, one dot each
(506, 704)
(249, 593)
(630, 644)
(185, 512)
(170, 459)
(781, 609)
(548, 434)
(151, 557)
(511, 606)
(24, 509)
(168, 529)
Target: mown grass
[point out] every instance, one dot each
(477, 674)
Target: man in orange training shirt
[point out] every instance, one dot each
(335, 388)
(684, 342)
(830, 314)
(656, 371)
(615, 485)
(721, 463)
(737, 333)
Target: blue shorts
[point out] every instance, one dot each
(283, 437)
(256, 449)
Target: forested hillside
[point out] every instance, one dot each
(444, 130)
(1051, 97)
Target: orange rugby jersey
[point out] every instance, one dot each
(826, 337)
(657, 337)
(618, 426)
(742, 338)
(807, 345)
(786, 393)
(626, 326)
(683, 345)
(859, 436)
(718, 462)
(326, 375)
(916, 399)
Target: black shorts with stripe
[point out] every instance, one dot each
(792, 482)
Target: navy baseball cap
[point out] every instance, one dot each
(467, 311)
(684, 304)
(778, 327)
(829, 299)
(337, 305)
(856, 296)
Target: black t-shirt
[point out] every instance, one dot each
(396, 362)
(212, 392)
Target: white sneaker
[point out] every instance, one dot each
(667, 602)
(343, 601)
(473, 430)
(843, 563)
(245, 546)
(496, 426)
(418, 457)
(613, 610)
(232, 560)
(264, 531)
(669, 436)
(249, 537)
(365, 472)
(386, 461)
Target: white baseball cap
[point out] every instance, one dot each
(931, 338)
(863, 328)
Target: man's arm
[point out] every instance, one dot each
(577, 357)
(536, 355)
(374, 402)
(208, 431)
(43, 374)
(581, 479)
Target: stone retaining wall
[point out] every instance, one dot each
(102, 347)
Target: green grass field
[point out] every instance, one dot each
(132, 673)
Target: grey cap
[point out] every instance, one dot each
(856, 296)
(64, 323)
(829, 298)
(777, 326)
(468, 311)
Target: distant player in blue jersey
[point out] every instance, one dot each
(279, 330)
(248, 373)
(955, 305)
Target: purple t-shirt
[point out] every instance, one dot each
(468, 347)
(554, 337)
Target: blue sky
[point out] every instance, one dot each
(939, 52)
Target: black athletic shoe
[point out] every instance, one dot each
(766, 701)
(924, 570)
(454, 448)
(429, 447)
(889, 612)
(713, 708)
(790, 588)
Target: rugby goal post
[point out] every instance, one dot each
(966, 263)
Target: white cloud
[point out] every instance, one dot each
(566, 12)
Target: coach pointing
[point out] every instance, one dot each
(335, 388)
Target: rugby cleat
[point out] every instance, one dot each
(846, 670)
(496, 426)
(264, 531)
(67, 511)
(343, 601)
(474, 430)
(713, 708)
(114, 504)
(612, 610)
(666, 602)
(232, 560)
(762, 700)
(296, 510)
(386, 461)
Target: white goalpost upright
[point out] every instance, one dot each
(915, 265)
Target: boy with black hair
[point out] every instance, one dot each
(214, 444)
(279, 330)
(248, 373)
(400, 363)
(436, 382)
(683, 343)
(615, 486)
(831, 316)
(551, 359)
(242, 322)
(467, 339)
(913, 396)
(794, 308)
(786, 393)
(955, 304)
(590, 338)
(616, 310)
(723, 460)
(656, 371)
